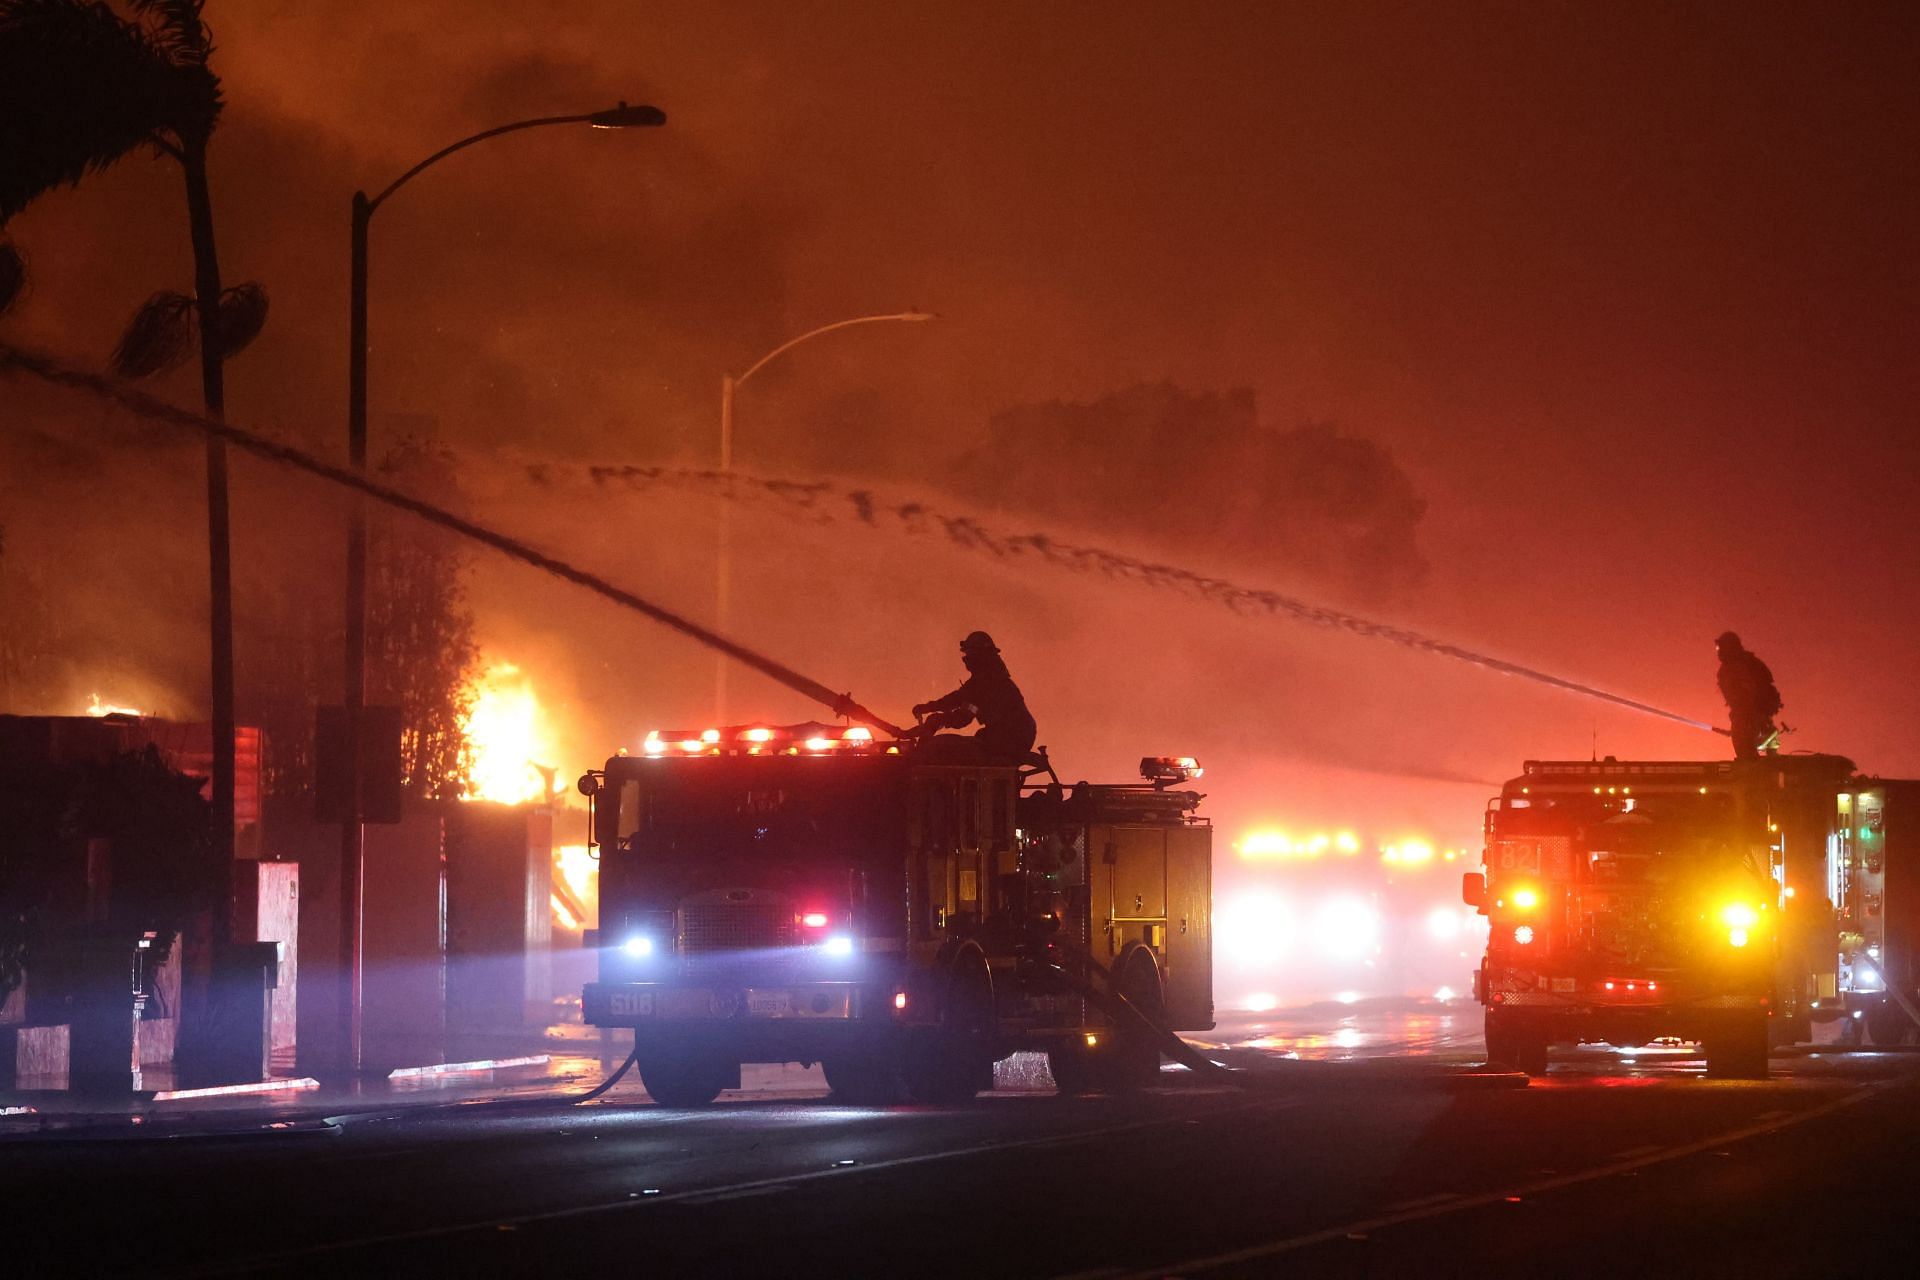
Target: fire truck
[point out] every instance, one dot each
(896, 910)
(1730, 903)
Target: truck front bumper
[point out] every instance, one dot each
(779, 1022)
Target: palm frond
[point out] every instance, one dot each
(176, 26)
(243, 313)
(159, 336)
(13, 275)
(80, 87)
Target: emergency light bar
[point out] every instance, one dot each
(1164, 769)
(811, 738)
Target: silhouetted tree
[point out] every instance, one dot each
(1199, 470)
(421, 652)
(80, 88)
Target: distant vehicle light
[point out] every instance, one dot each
(814, 919)
(639, 946)
(709, 735)
(758, 735)
(1736, 937)
(858, 733)
(653, 746)
(690, 745)
(1523, 935)
(1525, 899)
(1738, 915)
(899, 999)
(838, 945)
(821, 744)
(1092, 1040)
(1443, 923)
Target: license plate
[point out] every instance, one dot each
(769, 1004)
(630, 1003)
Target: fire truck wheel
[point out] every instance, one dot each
(1512, 1043)
(684, 1082)
(1073, 1071)
(946, 1065)
(863, 1080)
(1738, 1050)
(1888, 1024)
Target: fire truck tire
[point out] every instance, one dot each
(864, 1080)
(1512, 1043)
(1888, 1024)
(1738, 1050)
(1073, 1071)
(685, 1082)
(947, 1064)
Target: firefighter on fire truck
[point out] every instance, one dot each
(1752, 700)
(990, 696)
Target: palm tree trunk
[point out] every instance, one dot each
(206, 283)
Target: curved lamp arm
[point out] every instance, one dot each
(791, 343)
(620, 117)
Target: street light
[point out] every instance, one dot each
(352, 831)
(728, 385)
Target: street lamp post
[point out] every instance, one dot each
(352, 829)
(722, 583)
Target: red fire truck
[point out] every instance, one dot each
(896, 911)
(1730, 903)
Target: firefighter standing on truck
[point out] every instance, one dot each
(1752, 699)
(989, 696)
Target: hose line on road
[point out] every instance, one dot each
(575, 1099)
(1123, 1011)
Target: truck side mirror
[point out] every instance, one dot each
(1473, 889)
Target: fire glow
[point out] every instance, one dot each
(97, 708)
(576, 886)
(507, 739)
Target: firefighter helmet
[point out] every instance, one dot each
(1727, 640)
(978, 642)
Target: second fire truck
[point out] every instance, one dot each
(1733, 903)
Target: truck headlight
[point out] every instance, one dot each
(838, 945)
(638, 946)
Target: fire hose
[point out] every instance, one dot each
(1126, 1012)
(841, 704)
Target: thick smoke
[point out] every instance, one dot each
(1202, 473)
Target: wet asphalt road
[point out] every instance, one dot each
(1375, 1167)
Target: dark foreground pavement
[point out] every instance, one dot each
(1379, 1168)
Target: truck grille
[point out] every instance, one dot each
(710, 927)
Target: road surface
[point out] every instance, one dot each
(1374, 1167)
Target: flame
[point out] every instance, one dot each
(507, 739)
(95, 707)
(576, 886)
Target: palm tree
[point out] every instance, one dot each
(81, 86)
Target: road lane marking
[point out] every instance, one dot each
(777, 1182)
(1541, 1186)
